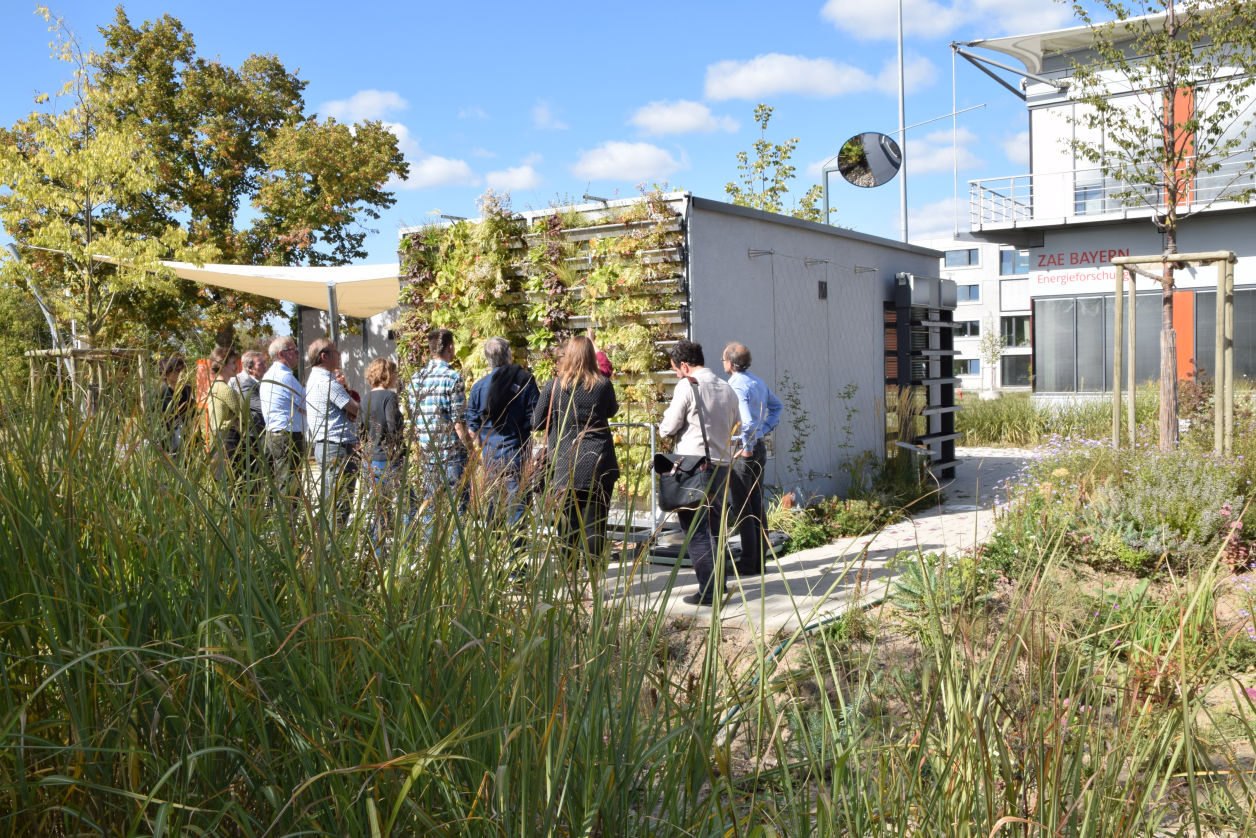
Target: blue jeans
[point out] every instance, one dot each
(382, 484)
(443, 482)
(507, 494)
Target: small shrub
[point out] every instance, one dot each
(1110, 550)
(933, 586)
(1174, 502)
(852, 626)
(809, 530)
(853, 516)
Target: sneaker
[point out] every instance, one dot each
(697, 599)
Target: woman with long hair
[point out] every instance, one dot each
(574, 411)
(227, 415)
(384, 448)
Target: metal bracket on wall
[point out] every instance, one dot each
(754, 254)
(811, 263)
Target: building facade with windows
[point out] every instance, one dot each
(990, 282)
(1070, 221)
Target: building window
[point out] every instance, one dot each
(1088, 199)
(962, 258)
(1016, 370)
(968, 329)
(1016, 330)
(967, 366)
(968, 293)
(1013, 262)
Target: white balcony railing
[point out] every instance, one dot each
(1007, 201)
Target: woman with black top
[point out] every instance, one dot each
(175, 400)
(574, 410)
(383, 439)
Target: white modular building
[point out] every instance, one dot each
(831, 317)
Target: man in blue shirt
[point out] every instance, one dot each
(331, 414)
(499, 412)
(283, 407)
(760, 413)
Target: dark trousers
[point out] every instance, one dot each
(582, 518)
(746, 492)
(703, 534)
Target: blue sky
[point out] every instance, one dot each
(550, 101)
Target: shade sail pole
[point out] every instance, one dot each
(333, 315)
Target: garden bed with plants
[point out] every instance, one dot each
(174, 660)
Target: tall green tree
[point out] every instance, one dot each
(68, 174)
(243, 167)
(764, 179)
(1168, 94)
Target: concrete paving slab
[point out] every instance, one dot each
(811, 585)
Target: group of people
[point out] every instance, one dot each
(261, 417)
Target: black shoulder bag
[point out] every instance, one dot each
(684, 479)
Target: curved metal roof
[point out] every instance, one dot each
(1031, 49)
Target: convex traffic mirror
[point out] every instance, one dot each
(869, 159)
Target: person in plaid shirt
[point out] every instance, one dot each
(438, 403)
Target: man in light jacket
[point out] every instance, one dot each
(720, 412)
(760, 414)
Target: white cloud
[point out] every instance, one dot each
(427, 170)
(434, 170)
(680, 117)
(625, 161)
(472, 112)
(935, 152)
(936, 219)
(513, 178)
(544, 118)
(936, 18)
(774, 73)
(1020, 17)
(364, 105)
(483, 153)
(1016, 147)
(918, 73)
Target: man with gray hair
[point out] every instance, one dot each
(760, 412)
(252, 368)
(499, 413)
(283, 406)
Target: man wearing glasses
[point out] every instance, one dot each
(283, 405)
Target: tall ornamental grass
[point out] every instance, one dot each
(1012, 419)
(173, 661)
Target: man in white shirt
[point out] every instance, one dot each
(283, 406)
(684, 418)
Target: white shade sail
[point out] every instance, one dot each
(360, 290)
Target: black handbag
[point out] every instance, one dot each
(685, 479)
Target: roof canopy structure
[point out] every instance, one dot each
(352, 290)
(1031, 49)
